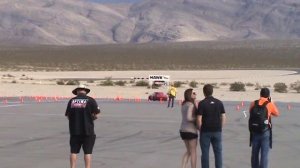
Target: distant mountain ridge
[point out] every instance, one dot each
(81, 22)
(116, 1)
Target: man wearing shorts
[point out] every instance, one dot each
(82, 110)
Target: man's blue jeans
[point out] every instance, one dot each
(214, 138)
(260, 144)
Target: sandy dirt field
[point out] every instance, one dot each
(44, 83)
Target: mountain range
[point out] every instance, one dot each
(83, 22)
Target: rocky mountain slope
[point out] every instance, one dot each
(81, 22)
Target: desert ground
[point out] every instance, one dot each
(45, 83)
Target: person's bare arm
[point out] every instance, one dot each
(199, 114)
(199, 121)
(223, 119)
(196, 105)
(273, 109)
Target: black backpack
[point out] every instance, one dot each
(259, 121)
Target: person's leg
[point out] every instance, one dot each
(256, 145)
(75, 144)
(217, 147)
(73, 159)
(205, 144)
(87, 160)
(169, 101)
(265, 147)
(88, 146)
(193, 152)
(186, 156)
(173, 98)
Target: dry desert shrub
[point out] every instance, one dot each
(90, 81)
(154, 86)
(296, 86)
(73, 82)
(178, 84)
(60, 82)
(193, 84)
(120, 83)
(141, 83)
(280, 87)
(237, 87)
(26, 78)
(107, 82)
(10, 76)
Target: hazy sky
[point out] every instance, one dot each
(116, 1)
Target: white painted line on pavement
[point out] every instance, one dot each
(12, 105)
(245, 114)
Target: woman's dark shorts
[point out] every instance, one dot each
(188, 135)
(86, 142)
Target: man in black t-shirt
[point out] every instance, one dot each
(81, 111)
(210, 120)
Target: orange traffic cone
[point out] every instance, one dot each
(238, 107)
(289, 107)
(21, 100)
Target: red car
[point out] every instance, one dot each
(157, 96)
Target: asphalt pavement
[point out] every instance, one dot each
(34, 134)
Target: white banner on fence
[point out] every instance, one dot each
(159, 79)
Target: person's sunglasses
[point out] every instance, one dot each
(194, 93)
